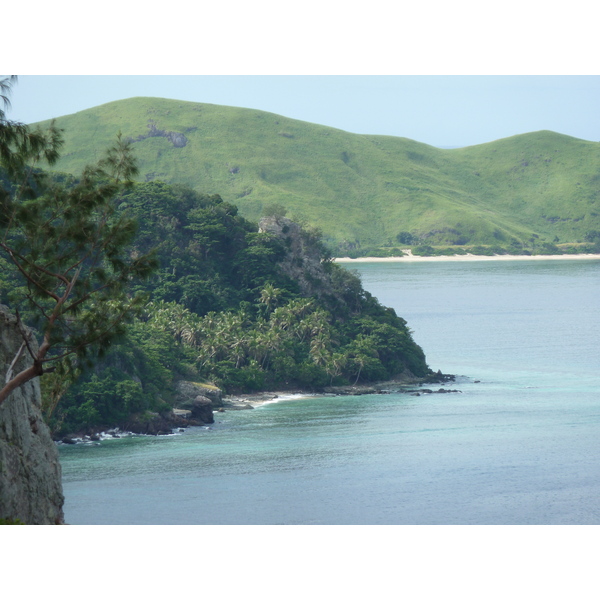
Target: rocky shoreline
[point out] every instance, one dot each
(196, 404)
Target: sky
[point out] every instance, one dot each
(440, 110)
(448, 74)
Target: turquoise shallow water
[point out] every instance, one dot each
(520, 447)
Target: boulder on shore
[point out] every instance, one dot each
(199, 398)
(189, 390)
(151, 423)
(201, 408)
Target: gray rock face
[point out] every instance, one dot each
(201, 408)
(189, 390)
(303, 261)
(30, 473)
(200, 400)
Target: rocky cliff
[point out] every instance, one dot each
(303, 263)
(30, 473)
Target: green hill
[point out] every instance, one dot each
(361, 190)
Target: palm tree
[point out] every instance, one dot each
(335, 365)
(269, 296)
(319, 349)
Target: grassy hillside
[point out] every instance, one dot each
(361, 190)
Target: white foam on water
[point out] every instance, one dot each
(285, 398)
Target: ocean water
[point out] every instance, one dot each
(518, 445)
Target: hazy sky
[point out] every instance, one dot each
(437, 110)
(443, 73)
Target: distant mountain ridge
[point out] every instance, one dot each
(361, 190)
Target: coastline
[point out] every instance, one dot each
(468, 258)
(254, 400)
(405, 385)
(177, 423)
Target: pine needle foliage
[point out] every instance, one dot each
(67, 249)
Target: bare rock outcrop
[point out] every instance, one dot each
(303, 263)
(30, 473)
(200, 399)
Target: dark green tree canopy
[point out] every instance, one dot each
(67, 247)
(243, 307)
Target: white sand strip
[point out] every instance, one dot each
(468, 257)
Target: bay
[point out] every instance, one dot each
(519, 447)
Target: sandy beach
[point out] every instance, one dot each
(409, 257)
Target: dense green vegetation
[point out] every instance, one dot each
(159, 283)
(223, 310)
(370, 194)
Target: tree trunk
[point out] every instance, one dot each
(35, 370)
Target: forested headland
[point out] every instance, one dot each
(242, 307)
(123, 289)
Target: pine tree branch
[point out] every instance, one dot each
(27, 276)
